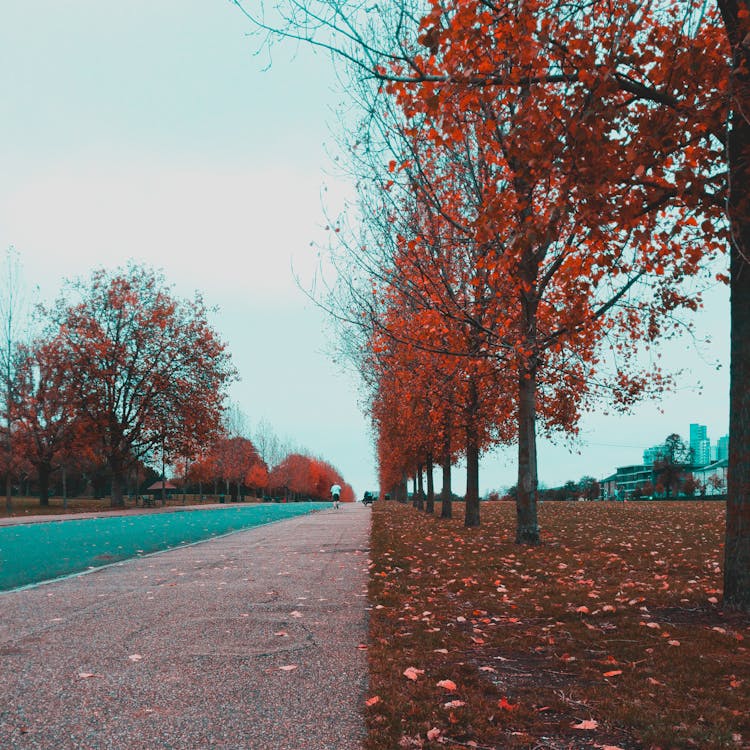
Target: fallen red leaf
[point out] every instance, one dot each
(586, 724)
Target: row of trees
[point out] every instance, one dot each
(126, 376)
(586, 488)
(235, 465)
(543, 187)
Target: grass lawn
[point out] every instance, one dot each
(609, 634)
(34, 552)
(29, 506)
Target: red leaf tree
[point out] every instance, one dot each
(233, 461)
(145, 368)
(48, 429)
(299, 476)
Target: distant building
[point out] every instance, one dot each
(654, 454)
(697, 432)
(722, 448)
(713, 478)
(608, 487)
(707, 463)
(626, 481)
(702, 453)
(700, 445)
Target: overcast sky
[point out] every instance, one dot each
(150, 130)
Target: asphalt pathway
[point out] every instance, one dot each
(250, 641)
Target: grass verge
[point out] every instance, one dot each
(607, 635)
(29, 506)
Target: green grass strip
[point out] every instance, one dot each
(36, 552)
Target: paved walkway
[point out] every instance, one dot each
(246, 642)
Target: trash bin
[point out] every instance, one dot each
(222, 499)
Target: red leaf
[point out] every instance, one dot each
(412, 674)
(586, 724)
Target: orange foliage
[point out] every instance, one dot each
(234, 461)
(549, 254)
(306, 477)
(144, 368)
(48, 432)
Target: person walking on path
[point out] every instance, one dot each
(336, 494)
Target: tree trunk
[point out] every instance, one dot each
(420, 487)
(163, 476)
(472, 482)
(471, 517)
(527, 527)
(43, 471)
(8, 438)
(402, 492)
(118, 482)
(737, 543)
(8, 424)
(8, 493)
(64, 487)
(430, 505)
(446, 510)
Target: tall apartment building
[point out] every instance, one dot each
(700, 445)
(698, 432)
(722, 448)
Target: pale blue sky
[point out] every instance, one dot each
(149, 130)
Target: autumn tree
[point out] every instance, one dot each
(235, 459)
(426, 406)
(564, 285)
(589, 487)
(671, 466)
(508, 274)
(145, 367)
(256, 478)
(202, 469)
(48, 429)
(303, 476)
(293, 475)
(735, 15)
(11, 324)
(424, 300)
(581, 252)
(241, 460)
